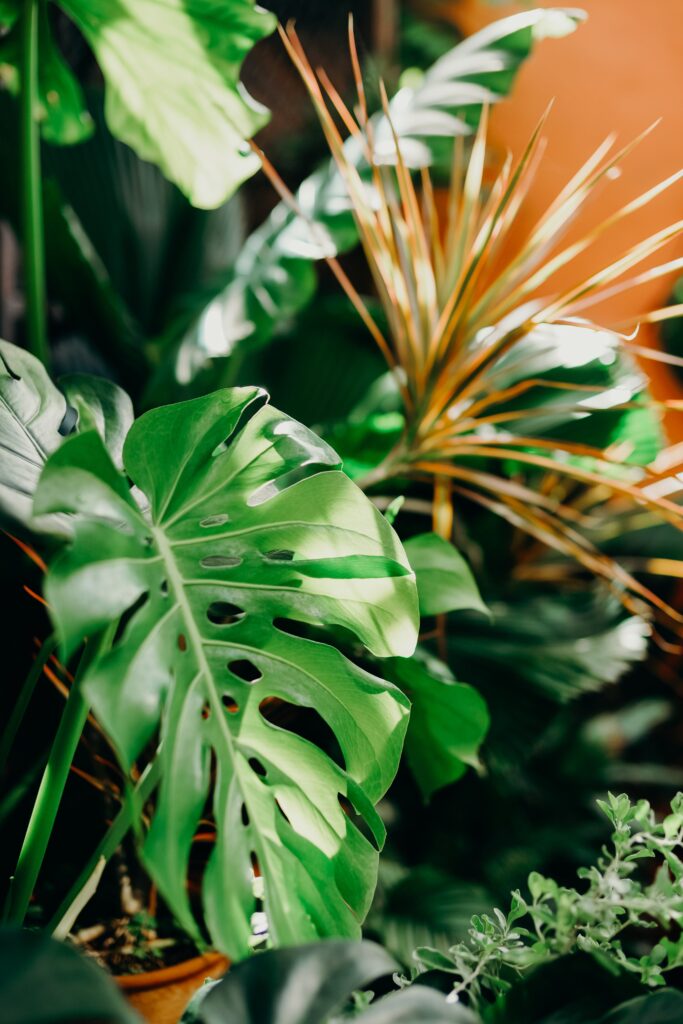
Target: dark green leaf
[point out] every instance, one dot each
(656, 1008)
(448, 721)
(311, 984)
(444, 579)
(562, 644)
(47, 982)
(244, 502)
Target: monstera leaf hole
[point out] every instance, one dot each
(250, 569)
(305, 722)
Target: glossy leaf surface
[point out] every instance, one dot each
(250, 524)
(35, 417)
(314, 984)
(48, 982)
(448, 722)
(32, 410)
(444, 579)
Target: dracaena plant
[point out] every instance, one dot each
(188, 589)
(509, 398)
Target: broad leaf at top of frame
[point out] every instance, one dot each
(173, 93)
(445, 582)
(171, 70)
(35, 417)
(62, 112)
(313, 984)
(250, 524)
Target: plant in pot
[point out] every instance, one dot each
(243, 616)
(38, 419)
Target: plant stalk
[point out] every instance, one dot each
(63, 918)
(51, 789)
(31, 185)
(10, 731)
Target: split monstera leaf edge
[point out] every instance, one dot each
(251, 527)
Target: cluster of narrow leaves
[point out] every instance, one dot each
(508, 395)
(172, 73)
(599, 918)
(274, 277)
(239, 529)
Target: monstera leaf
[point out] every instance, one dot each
(314, 984)
(273, 277)
(250, 524)
(34, 419)
(173, 94)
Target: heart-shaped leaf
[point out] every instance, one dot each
(448, 724)
(444, 579)
(249, 524)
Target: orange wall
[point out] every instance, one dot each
(620, 71)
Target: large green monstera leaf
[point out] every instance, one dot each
(249, 527)
(173, 94)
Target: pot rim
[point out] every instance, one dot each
(169, 975)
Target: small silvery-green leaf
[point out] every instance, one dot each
(173, 94)
(250, 524)
(448, 721)
(35, 416)
(444, 579)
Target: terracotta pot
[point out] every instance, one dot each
(161, 996)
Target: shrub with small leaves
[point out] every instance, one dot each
(602, 918)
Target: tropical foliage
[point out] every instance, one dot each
(320, 688)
